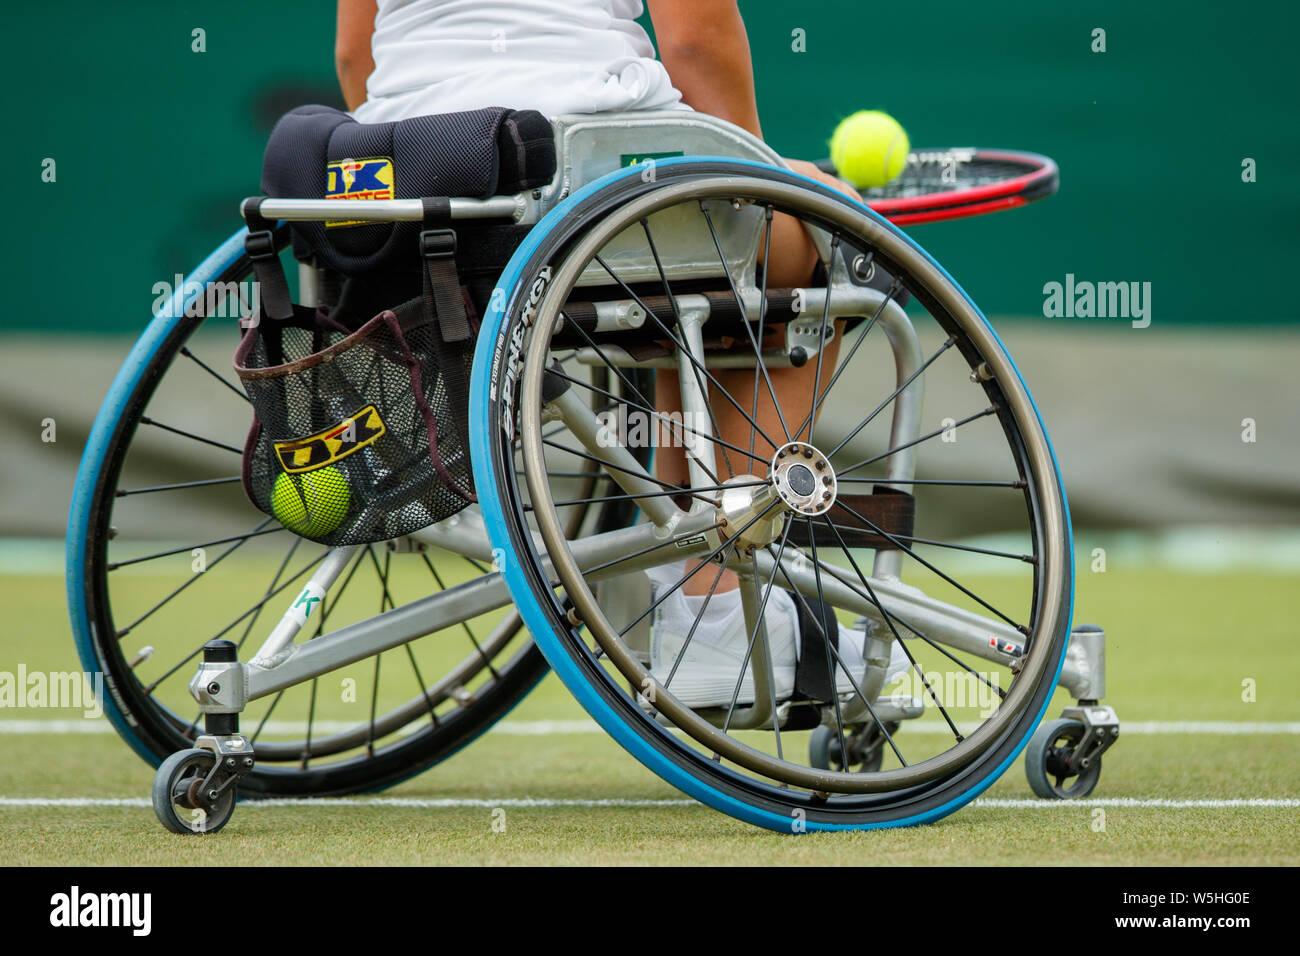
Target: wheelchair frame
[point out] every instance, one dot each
(586, 148)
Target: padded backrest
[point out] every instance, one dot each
(317, 152)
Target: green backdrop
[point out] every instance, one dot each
(155, 144)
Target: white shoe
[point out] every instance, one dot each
(706, 674)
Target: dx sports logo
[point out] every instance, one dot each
(371, 178)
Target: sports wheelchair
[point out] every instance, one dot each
(639, 253)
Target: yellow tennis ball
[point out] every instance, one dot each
(311, 504)
(869, 148)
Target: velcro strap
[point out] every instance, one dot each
(442, 283)
(259, 244)
(814, 676)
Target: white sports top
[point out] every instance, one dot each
(554, 56)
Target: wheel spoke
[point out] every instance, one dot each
(821, 342)
(642, 474)
(897, 637)
(916, 441)
(932, 481)
(762, 313)
(667, 420)
(188, 581)
(991, 552)
(749, 649)
(826, 638)
(113, 566)
(261, 724)
(744, 321)
(325, 610)
(149, 689)
(835, 573)
(713, 554)
(722, 568)
(632, 389)
(677, 317)
(846, 360)
(912, 554)
(185, 350)
(487, 661)
(644, 551)
(839, 660)
(696, 363)
(270, 588)
(146, 420)
(124, 492)
(767, 653)
(948, 343)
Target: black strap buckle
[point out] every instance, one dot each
(260, 244)
(438, 243)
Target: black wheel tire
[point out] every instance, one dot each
(721, 787)
(154, 732)
(182, 766)
(1044, 759)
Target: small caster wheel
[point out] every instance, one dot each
(866, 749)
(177, 800)
(820, 745)
(1046, 758)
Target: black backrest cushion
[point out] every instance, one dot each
(474, 154)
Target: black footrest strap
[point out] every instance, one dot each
(890, 519)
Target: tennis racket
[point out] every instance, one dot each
(938, 184)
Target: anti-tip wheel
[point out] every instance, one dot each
(866, 748)
(1046, 759)
(180, 807)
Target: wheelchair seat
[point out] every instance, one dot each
(318, 152)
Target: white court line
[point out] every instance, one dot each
(419, 803)
(545, 802)
(1141, 802)
(91, 725)
(543, 728)
(1212, 728)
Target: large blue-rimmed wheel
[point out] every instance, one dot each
(588, 258)
(164, 552)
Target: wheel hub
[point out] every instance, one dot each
(804, 479)
(749, 511)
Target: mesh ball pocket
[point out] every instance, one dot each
(358, 435)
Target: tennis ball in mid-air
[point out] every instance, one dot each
(869, 148)
(313, 503)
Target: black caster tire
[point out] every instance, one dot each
(1045, 758)
(819, 747)
(824, 749)
(177, 806)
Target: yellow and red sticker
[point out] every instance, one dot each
(338, 441)
(371, 178)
